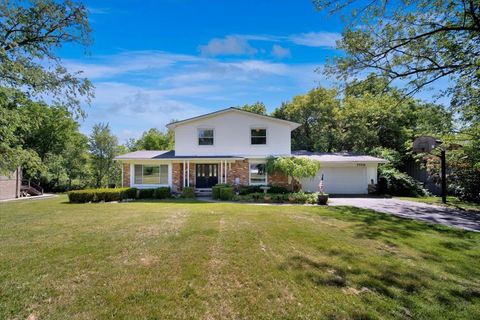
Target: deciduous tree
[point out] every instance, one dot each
(30, 35)
(103, 148)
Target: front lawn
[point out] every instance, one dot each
(194, 260)
(451, 202)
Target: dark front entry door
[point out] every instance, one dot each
(206, 175)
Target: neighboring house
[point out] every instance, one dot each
(10, 185)
(231, 146)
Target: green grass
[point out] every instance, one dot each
(192, 260)
(451, 202)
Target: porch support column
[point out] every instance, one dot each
(221, 171)
(183, 177)
(226, 172)
(188, 173)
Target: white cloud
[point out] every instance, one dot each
(139, 90)
(106, 66)
(96, 10)
(316, 39)
(280, 52)
(230, 45)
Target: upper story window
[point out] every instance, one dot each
(258, 136)
(205, 137)
(147, 174)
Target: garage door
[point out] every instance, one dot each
(339, 181)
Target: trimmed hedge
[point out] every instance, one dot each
(162, 193)
(216, 192)
(226, 193)
(118, 194)
(223, 192)
(146, 193)
(131, 193)
(188, 192)
(97, 195)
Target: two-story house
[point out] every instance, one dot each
(231, 146)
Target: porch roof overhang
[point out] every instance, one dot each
(152, 155)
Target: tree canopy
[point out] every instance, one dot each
(257, 107)
(103, 146)
(416, 41)
(153, 139)
(30, 35)
(293, 167)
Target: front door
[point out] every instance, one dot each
(206, 175)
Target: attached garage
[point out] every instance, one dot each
(343, 173)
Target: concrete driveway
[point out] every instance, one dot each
(415, 210)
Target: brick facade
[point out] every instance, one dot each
(238, 169)
(278, 179)
(177, 174)
(126, 175)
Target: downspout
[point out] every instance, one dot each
(17, 186)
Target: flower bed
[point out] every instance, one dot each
(294, 197)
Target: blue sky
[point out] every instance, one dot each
(153, 61)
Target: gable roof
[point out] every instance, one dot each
(292, 124)
(337, 156)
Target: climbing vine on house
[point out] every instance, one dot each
(293, 167)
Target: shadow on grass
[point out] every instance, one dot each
(374, 225)
(400, 283)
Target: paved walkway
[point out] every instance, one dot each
(43, 196)
(415, 210)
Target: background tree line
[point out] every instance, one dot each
(394, 41)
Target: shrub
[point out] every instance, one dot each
(188, 192)
(108, 195)
(216, 192)
(131, 193)
(302, 197)
(226, 193)
(244, 190)
(81, 196)
(279, 197)
(467, 184)
(97, 195)
(162, 193)
(146, 193)
(277, 189)
(296, 197)
(392, 181)
(243, 198)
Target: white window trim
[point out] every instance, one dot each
(149, 186)
(266, 135)
(250, 175)
(198, 137)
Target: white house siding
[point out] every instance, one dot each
(343, 178)
(232, 136)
